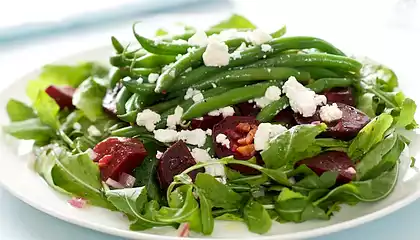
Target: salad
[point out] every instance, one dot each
(232, 123)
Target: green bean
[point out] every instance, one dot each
(251, 74)
(318, 72)
(129, 131)
(271, 110)
(135, 86)
(121, 98)
(146, 61)
(129, 117)
(117, 45)
(327, 83)
(313, 59)
(165, 105)
(228, 98)
(188, 34)
(191, 59)
(160, 47)
(253, 54)
(129, 105)
(116, 76)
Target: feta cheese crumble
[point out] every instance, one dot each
(175, 119)
(301, 99)
(93, 131)
(235, 55)
(329, 113)
(198, 39)
(226, 112)
(258, 37)
(209, 132)
(350, 170)
(148, 119)
(216, 54)
(266, 48)
(195, 94)
(266, 132)
(222, 139)
(159, 154)
(77, 126)
(179, 41)
(166, 135)
(153, 77)
(271, 94)
(92, 155)
(201, 155)
(179, 56)
(193, 137)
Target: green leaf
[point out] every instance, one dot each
(368, 104)
(235, 21)
(408, 109)
(256, 217)
(206, 215)
(279, 33)
(47, 110)
(288, 147)
(370, 135)
(331, 143)
(79, 175)
(31, 129)
(19, 111)
(371, 190)
(236, 217)
(130, 201)
(381, 158)
(220, 195)
(325, 181)
(88, 98)
(161, 32)
(380, 75)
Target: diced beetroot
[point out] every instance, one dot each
(117, 155)
(109, 103)
(340, 95)
(346, 128)
(334, 162)
(285, 117)
(174, 161)
(63, 95)
(247, 109)
(228, 126)
(206, 123)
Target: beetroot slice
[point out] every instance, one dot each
(334, 162)
(63, 95)
(247, 109)
(346, 128)
(119, 155)
(340, 95)
(174, 161)
(227, 126)
(206, 123)
(286, 118)
(109, 103)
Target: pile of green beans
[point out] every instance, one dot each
(180, 66)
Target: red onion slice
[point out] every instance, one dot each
(112, 183)
(184, 230)
(127, 180)
(77, 202)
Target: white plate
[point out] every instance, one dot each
(18, 177)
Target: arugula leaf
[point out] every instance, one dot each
(19, 111)
(161, 32)
(366, 191)
(279, 33)
(381, 158)
(406, 116)
(88, 98)
(256, 217)
(325, 181)
(288, 147)
(47, 109)
(79, 175)
(130, 201)
(234, 21)
(206, 215)
(331, 143)
(368, 103)
(378, 74)
(236, 217)
(31, 129)
(62, 75)
(370, 135)
(220, 195)
(295, 207)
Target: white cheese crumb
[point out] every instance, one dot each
(159, 154)
(213, 85)
(222, 139)
(179, 56)
(266, 48)
(226, 112)
(241, 47)
(152, 77)
(175, 119)
(195, 94)
(179, 41)
(235, 55)
(191, 49)
(148, 119)
(140, 80)
(199, 119)
(265, 133)
(258, 37)
(350, 170)
(198, 97)
(302, 99)
(93, 131)
(166, 135)
(166, 67)
(329, 113)
(198, 39)
(209, 132)
(216, 54)
(271, 94)
(200, 155)
(193, 137)
(77, 126)
(92, 155)
(172, 73)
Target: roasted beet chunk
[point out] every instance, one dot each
(285, 117)
(174, 161)
(239, 132)
(346, 128)
(334, 162)
(340, 95)
(118, 155)
(109, 103)
(207, 122)
(247, 109)
(63, 95)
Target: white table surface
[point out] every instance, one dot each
(386, 30)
